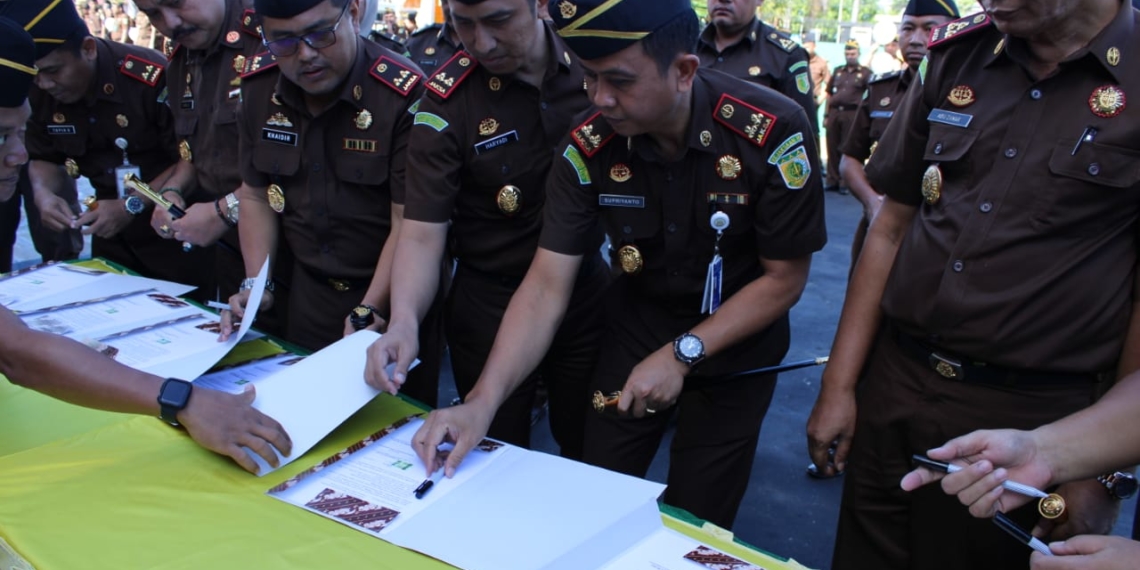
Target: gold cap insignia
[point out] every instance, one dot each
(630, 259)
(754, 70)
(1052, 506)
(727, 110)
(1107, 101)
(279, 120)
(884, 101)
(509, 199)
(728, 167)
(276, 198)
(363, 120)
(122, 121)
(620, 173)
(961, 96)
(184, 151)
(706, 138)
(999, 46)
(567, 8)
(108, 88)
(429, 51)
(231, 37)
(239, 64)
(495, 84)
(488, 126)
(72, 167)
(932, 184)
(58, 118)
(1113, 56)
(357, 92)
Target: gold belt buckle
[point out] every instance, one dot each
(339, 285)
(946, 367)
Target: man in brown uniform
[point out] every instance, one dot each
(998, 284)
(884, 93)
(845, 91)
(431, 46)
(324, 135)
(90, 97)
(484, 141)
(682, 166)
(738, 43)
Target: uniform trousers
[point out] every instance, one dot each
(906, 408)
(718, 426)
(838, 124)
(474, 310)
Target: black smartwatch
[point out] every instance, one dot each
(172, 398)
(362, 316)
(1120, 485)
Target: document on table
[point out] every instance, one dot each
(235, 379)
(666, 549)
(55, 284)
(96, 318)
(505, 508)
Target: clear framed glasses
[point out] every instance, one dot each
(317, 39)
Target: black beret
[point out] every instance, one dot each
(50, 22)
(282, 9)
(599, 28)
(932, 8)
(17, 63)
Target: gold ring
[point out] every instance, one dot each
(164, 229)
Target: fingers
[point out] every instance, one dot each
(426, 441)
(375, 369)
(242, 458)
(261, 447)
(227, 325)
(842, 450)
(465, 443)
(967, 446)
(918, 478)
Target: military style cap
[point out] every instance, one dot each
(50, 22)
(851, 44)
(17, 63)
(598, 28)
(932, 8)
(282, 9)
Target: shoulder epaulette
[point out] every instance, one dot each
(743, 119)
(258, 63)
(395, 75)
(248, 24)
(884, 76)
(171, 51)
(451, 74)
(140, 69)
(957, 28)
(787, 44)
(593, 134)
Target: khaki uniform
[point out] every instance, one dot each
(820, 77)
(845, 91)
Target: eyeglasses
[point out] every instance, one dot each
(318, 39)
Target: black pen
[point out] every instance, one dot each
(428, 484)
(1087, 136)
(923, 461)
(1021, 534)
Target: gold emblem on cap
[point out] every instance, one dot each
(108, 88)
(239, 64)
(363, 120)
(727, 110)
(932, 184)
(1052, 506)
(945, 370)
(509, 199)
(754, 70)
(1113, 56)
(71, 167)
(429, 51)
(629, 257)
(495, 84)
(231, 37)
(279, 120)
(184, 151)
(620, 173)
(464, 61)
(566, 57)
(122, 121)
(706, 138)
(567, 8)
(1107, 101)
(357, 92)
(961, 96)
(884, 101)
(276, 198)
(488, 127)
(58, 118)
(728, 167)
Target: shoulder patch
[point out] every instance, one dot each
(451, 74)
(787, 44)
(957, 28)
(430, 120)
(395, 75)
(571, 155)
(258, 63)
(142, 70)
(884, 76)
(593, 134)
(249, 25)
(743, 119)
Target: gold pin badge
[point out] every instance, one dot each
(464, 61)
(108, 88)
(620, 173)
(706, 138)
(279, 120)
(429, 51)
(629, 257)
(728, 167)
(129, 65)
(231, 37)
(773, 35)
(979, 18)
(509, 199)
(122, 121)
(363, 120)
(189, 78)
(488, 127)
(567, 8)
(1107, 101)
(884, 101)
(1052, 506)
(1113, 56)
(58, 118)
(754, 70)
(727, 111)
(71, 167)
(276, 198)
(495, 84)
(961, 96)
(932, 184)
(239, 64)
(184, 151)
(357, 92)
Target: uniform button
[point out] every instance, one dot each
(1035, 94)
(626, 230)
(958, 265)
(671, 228)
(1010, 152)
(986, 207)
(720, 59)
(543, 105)
(1094, 169)
(938, 148)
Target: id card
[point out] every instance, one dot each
(121, 172)
(714, 280)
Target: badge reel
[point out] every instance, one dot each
(126, 168)
(714, 281)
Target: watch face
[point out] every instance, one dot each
(1124, 487)
(691, 346)
(134, 205)
(175, 394)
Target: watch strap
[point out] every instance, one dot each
(168, 404)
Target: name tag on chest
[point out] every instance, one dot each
(61, 129)
(621, 201)
(279, 137)
(501, 140)
(882, 114)
(950, 118)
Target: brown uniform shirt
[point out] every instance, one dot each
(750, 154)
(205, 97)
(884, 94)
(766, 57)
(1027, 258)
(339, 171)
(820, 76)
(430, 47)
(846, 88)
(479, 133)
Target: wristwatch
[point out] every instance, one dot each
(232, 208)
(362, 316)
(1120, 485)
(134, 205)
(247, 284)
(689, 348)
(172, 398)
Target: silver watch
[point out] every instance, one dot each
(232, 208)
(247, 284)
